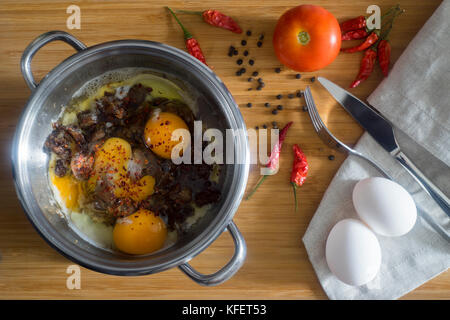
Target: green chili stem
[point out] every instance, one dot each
(256, 187)
(189, 12)
(295, 194)
(187, 34)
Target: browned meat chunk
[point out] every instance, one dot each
(180, 195)
(136, 95)
(82, 165)
(210, 195)
(59, 142)
(86, 119)
(76, 134)
(110, 108)
(60, 168)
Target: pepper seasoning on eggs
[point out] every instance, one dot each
(160, 129)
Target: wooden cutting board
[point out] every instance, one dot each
(277, 266)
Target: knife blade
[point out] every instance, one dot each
(382, 131)
(370, 120)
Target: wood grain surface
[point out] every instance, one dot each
(277, 266)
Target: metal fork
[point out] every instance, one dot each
(333, 142)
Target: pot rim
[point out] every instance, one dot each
(64, 246)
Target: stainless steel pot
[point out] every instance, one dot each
(30, 163)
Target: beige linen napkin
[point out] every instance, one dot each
(416, 99)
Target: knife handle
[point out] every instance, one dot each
(423, 181)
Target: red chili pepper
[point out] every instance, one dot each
(370, 40)
(384, 56)
(353, 24)
(299, 170)
(354, 35)
(274, 159)
(192, 44)
(366, 68)
(217, 19)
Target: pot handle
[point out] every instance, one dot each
(39, 42)
(229, 269)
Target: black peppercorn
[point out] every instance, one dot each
(274, 111)
(249, 104)
(245, 53)
(242, 70)
(277, 70)
(251, 62)
(261, 37)
(231, 51)
(331, 157)
(255, 73)
(290, 95)
(298, 76)
(239, 61)
(264, 126)
(262, 84)
(259, 87)
(259, 44)
(250, 79)
(279, 107)
(257, 128)
(235, 52)
(243, 42)
(249, 33)
(260, 80)
(238, 73)
(279, 96)
(313, 79)
(299, 94)
(267, 104)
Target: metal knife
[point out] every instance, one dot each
(382, 131)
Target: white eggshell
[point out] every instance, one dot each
(352, 252)
(385, 206)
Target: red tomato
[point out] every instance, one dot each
(307, 38)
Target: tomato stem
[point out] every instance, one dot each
(303, 37)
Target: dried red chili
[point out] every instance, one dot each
(354, 34)
(370, 40)
(192, 44)
(299, 170)
(384, 56)
(366, 68)
(274, 159)
(217, 19)
(353, 24)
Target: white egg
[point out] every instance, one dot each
(352, 252)
(385, 206)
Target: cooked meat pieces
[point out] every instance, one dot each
(86, 119)
(136, 95)
(82, 165)
(60, 168)
(180, 195)
(59, 142)
(76, 134)
(207, 196)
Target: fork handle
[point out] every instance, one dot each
(423, 181)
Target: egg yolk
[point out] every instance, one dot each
(140, 233)
(158, 133)
(69, 189)
(111, 161)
